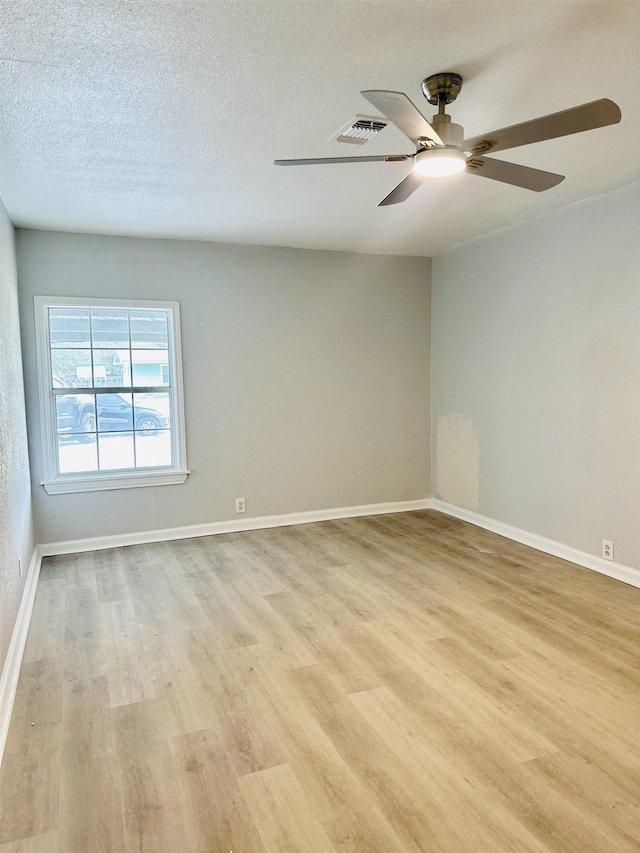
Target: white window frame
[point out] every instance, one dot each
(56, 483)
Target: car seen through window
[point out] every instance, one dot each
(76, 415)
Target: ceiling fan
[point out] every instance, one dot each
(442, 150)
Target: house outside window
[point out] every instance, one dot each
(111, 400)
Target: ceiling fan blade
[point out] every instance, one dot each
(512, 173)
(387, 158)
(586, 117)
(404, 189)
(403, 113)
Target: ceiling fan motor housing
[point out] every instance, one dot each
(451, 134)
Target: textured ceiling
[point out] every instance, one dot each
(162, 117)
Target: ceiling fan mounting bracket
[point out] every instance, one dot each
(442, 88)
(481, 148)
(424, 143)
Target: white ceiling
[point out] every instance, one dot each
(163, 117)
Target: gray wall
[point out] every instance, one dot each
(536, 375)
(16, 522)
(306, 376)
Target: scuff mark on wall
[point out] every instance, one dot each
(457, 461)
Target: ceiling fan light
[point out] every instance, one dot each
(439, 162)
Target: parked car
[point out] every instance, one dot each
(77, 415)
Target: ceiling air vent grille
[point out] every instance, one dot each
(360, 130)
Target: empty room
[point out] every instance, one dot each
(319, 426)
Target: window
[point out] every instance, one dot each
(111, 407)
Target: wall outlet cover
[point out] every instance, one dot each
(607, 549)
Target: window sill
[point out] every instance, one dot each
(118, 481)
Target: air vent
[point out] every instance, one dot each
(360, 130)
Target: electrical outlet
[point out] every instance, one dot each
(240, 505)
(607, 549)
(20, 567)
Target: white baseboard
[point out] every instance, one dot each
(626, 574)
(13, 662)
(99, 543)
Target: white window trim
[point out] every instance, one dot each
(56, 483)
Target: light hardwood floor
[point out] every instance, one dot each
(395, 683)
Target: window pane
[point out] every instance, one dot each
(75, 415)
(111, 368)
(116, 450)
(149, 367)
(76, 454)
(71, 368)
(110, 327)
(69, 327)
(148, 329)
(151, 411)
(115, 413)
(153, 450)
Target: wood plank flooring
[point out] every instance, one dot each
(395, 683)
